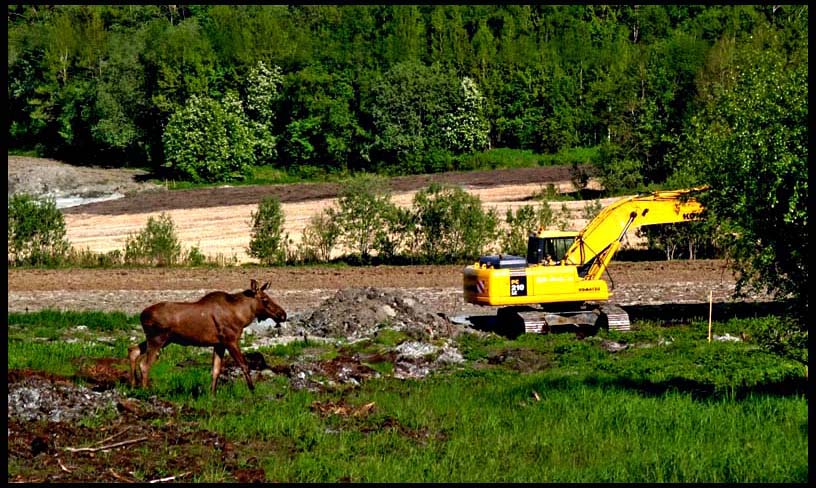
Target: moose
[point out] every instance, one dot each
(216, 320)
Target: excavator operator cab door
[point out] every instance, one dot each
(548, 250)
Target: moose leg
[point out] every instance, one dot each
(218, 359)
(154, 345)
(239, 358)
(134, 352)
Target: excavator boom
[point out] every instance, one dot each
(600, 239)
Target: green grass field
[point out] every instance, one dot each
(671, 407)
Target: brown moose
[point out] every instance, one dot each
(216, 320)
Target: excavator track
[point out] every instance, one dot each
(530, 320)
(616, 317)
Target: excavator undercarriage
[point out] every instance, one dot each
(540, 320)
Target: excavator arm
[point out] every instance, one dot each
(595, 246)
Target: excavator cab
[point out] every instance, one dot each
(548, 248)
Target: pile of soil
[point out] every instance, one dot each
(50, 178)
(353, 313)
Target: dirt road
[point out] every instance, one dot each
(303, 288)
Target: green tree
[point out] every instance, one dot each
(407, 105)
(36, 231)
(452, 224)
(268, 242)
(466, 129)
(263, 92)
(208, 140)
(322, 128)
(750, 146)
(364, 209)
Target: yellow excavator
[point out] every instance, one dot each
(559, 283)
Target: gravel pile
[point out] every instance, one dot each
(38, 398)
(354, 313)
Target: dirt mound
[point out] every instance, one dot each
(51, 178)
(33, 396)
(354, 313)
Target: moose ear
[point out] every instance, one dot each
(254, 284)
(265, 286)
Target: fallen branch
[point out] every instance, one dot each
(106, 439)
(62, 466)
(170, 478)
(103, 448)
(119, 476)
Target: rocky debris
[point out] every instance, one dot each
(36, 397)
(613, 346)
(353, 313)
(50, 178)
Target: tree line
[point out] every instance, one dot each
(207, 92)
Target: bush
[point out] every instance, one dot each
(36, 232)
(389, 240)
(365, 207)
(195, 257)
(268, 243)
(319, 237)
(452, 224)
(520, 224)
(156, 244)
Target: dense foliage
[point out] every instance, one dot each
(749, 143)
(209, 91)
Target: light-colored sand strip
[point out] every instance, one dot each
(226, 230)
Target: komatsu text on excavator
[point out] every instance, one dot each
(559, 283)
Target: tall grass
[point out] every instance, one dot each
(500, 158)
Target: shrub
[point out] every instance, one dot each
(562, 217)
(195, 257)
(36, 232)
(365, 206)
(319, 237)
(156, 244)
(520, 224)
(592, 209)
(268, 243)
(390, 239)
(452, 224)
